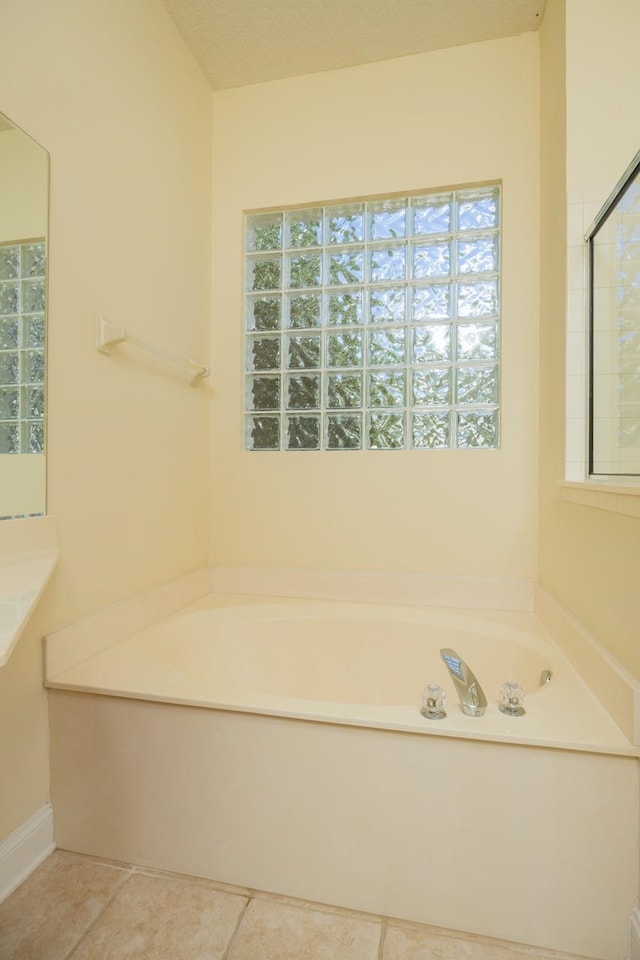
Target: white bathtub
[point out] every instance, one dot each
(495, 825)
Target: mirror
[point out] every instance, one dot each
(24, 206)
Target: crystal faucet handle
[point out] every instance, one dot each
(511, 697)
(434, 700)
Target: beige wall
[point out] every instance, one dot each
(589, 558)
(108, 88)
(24, 187)
(450, 117)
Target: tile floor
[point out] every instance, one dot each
(79, 908)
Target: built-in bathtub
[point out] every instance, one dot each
(280, 745)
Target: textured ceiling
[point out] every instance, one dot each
(238, 42)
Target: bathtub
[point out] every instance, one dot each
(279, 745)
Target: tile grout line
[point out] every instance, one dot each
(128, 873)
(383, 936)
(227, 951)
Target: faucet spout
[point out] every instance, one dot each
(472, 699)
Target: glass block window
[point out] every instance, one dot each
(22, 346)
(374, 325)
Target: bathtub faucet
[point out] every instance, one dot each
(472, 699)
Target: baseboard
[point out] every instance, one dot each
(24, 849)
(634, 936)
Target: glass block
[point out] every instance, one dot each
(264, 273)
(264, 433)
(345, 308)
(263, 393)
(344, 349)
(9, 263)
(9, 438)
(431, 260)
(477, 385)
(344, 390)
(478, 299)
(9, 298)
(388, 219)
(346, 224)
(264, 232)
(33, 296)
(264, 353)
(9, 333)
(304, 228)
(344, 433)
(303, 433)
(387, 389)
(431, 303)
(303, 352)
(9, 403)
(431, 430)
(432, 386)
(263, 313)
(479, 255)
(477, 341)
(387, 263)
(34, 331)
(346, 267)
(34, 260)
(305, 271)
(33, 402)
(386, 431)
(9, 368)
(303, 311)
(431, 214)
(303, 392)
(477, 210)
(388, 305)
(33, 366)
(387, 346)
(32, 437)
(431, 344)
(477, 429)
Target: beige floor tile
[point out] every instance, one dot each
(45, 917)
(414, 943)
(271, 930)
(159, 918)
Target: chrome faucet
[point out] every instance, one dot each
(472, 699)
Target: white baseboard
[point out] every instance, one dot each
(24, 849)
(634, 936)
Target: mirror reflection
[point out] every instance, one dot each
(24, 203)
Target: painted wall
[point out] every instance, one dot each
(108, 87)
(451, 117)
(589, 558)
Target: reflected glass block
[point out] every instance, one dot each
(9, 368)
(346, 267)
(345, 308)
(477, 385)
(305, 271)
(33, 331)
(477, 429)
(9, 438)
(33, 296)
(344, 349)
(431, 260)
(303, 392)
(387, 263)
(263, 313)
(431, 303)
(9, 263)
(33, 366)
(32, 437)
(387, 346)
(9, 403)
(630, 202)
(478, 299)
(431, 430)
(432, 386)
(263, 433)
(33, 402)
(628, 388)
(387, 389)
(477, 341)
(264, 232)
(346, 224)
(264, 274)
(303, 311)
(9, 334)
(344, 433)
(388, 219)
(387, 305)
(264, 353)
(628, 432)
(628, 351)
(34, 260)
(344, 390)
(9, 298)
(263, 393)
(431, 344)
(303, 352)
(304, 228)
(477, 210)
(386, 431)
(479, 255)
(303, 433)
(431, 214)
